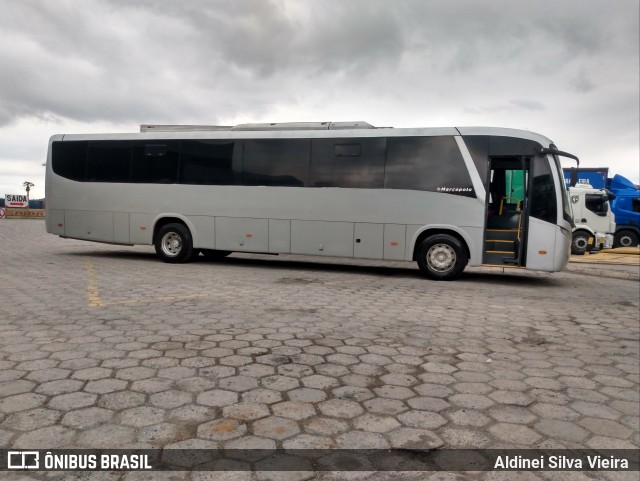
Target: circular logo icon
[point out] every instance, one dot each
(2, 213)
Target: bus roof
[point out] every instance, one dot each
(260, 126)
(300, 130)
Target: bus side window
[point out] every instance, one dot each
(356, 163)
(276, 162)
(155, 163)
(207, 162)
(69, 159)
(432, 164)
(109, 161)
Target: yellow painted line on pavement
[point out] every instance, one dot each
(93, 294)
(155, 299)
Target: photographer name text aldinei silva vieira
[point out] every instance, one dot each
(561, 462)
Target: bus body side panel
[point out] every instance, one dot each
(394, 242)
(322, 238)
(141, 228)
(204, 227)
(92, 225)
(279, 236)
(562, 249)
(368, 241)
(242, 234)
(55, 222)
(121, 228)
(541, 242)
(329, 216)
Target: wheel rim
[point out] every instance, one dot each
(171, 244)
(626, 241)
(580, 243)
(441, 258)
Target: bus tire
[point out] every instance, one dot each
(625, 238)
(580, 242)
(213, 254)
(173, 243)
(442, 257)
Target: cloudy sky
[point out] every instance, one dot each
(565, 69)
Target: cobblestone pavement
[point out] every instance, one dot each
(105, 346)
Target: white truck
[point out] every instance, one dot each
(595, 223)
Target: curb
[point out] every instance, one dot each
(599, 272)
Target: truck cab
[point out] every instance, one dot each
(595, 223)
(626, 205)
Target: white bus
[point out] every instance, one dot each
(444, 197)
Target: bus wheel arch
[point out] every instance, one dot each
(173, 240)
(441, 254)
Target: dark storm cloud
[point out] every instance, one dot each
(134, 61)
(264, 37)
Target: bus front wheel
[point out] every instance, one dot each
(173, 243)
(442, 257)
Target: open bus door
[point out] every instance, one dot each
(505, 236)
(521, 212)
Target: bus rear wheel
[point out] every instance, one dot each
(173, 243)
(442, 257)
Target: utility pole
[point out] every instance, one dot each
(27, 185)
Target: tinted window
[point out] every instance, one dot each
(481, 147)
(478, 146)
(596, 203)
(543, 191)
(109, 161)
(276, 162)
(348, 150)
(155, 162)
(427, 163)
(208, 162)
(511, 146)
(69, 159)
(348, 163)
